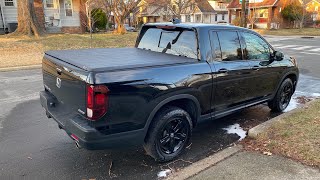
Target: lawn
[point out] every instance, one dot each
(295, 136)
(291, 32)
(22, 51)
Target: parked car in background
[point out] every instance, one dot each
(129, 28)
(155, 93)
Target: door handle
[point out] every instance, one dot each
(223, 70)
(256, 68)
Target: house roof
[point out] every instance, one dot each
(235, 4)
(204, 6)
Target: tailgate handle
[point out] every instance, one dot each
(59, 71)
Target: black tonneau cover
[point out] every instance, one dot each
(109, 59)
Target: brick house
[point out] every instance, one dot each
(267, 12)
(53, 15)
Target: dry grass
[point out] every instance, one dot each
(22, 51)
(291, 32)
(296, 136)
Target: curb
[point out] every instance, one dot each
(20, 68)
(255, 131)
(205, 163)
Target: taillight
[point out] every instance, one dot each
(97, 101)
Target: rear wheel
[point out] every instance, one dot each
(283, 96)
(169, 134)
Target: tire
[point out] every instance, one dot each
(282, 99)
(169, 134)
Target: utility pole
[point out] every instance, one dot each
(243, 13)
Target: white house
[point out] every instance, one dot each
(53, 15)
(205, 11)
(220, 6)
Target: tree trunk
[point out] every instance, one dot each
(27, 20)
(120, 26)
(243, 14)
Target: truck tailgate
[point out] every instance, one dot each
(66, 85)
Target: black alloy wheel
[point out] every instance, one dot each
(282, 99)
(286, 95)
(168, 134)
(173, 136)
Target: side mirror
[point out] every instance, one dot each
(278, 56)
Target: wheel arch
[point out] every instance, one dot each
(186, 102)
(291, 75)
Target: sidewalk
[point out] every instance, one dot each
(250, 165)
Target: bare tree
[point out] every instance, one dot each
(179, 6)
(88, 19)
(303, 17)
(121, 10)
(27, 20)
(252, 18)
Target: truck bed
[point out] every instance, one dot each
(110, 59)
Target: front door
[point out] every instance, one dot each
(231, 71)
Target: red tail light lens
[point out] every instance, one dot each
(97, 101)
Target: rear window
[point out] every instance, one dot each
(176, 42)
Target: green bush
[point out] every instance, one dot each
(292, 12)
(100, 18)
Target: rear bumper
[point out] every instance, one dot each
(87, 136)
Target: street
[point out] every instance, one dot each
(31, 145)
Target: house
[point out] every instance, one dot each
(52, 15)
(267, 13)
(200, 12)
(220, 6)
(313, 7)
(153, 11)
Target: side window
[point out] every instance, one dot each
(256, 48)
(215, 46)
(230, 45)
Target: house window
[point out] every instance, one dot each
(262, 13)
(8, 3)
(49, 3)
(222, 16)
(68, 7)
(216, 17)
(188, 18)
(198, 18)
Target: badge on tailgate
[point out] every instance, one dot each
(58, 82)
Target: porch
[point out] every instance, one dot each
(63, 16)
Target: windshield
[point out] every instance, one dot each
(176, 42)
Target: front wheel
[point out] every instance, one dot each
(282, 99)
(169, 134)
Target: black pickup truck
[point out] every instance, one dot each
(155, 93)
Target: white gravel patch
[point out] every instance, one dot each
(236, 129)
(164, 173)
(292, 105)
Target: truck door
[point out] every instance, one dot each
(258, 54)
(231, 72)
